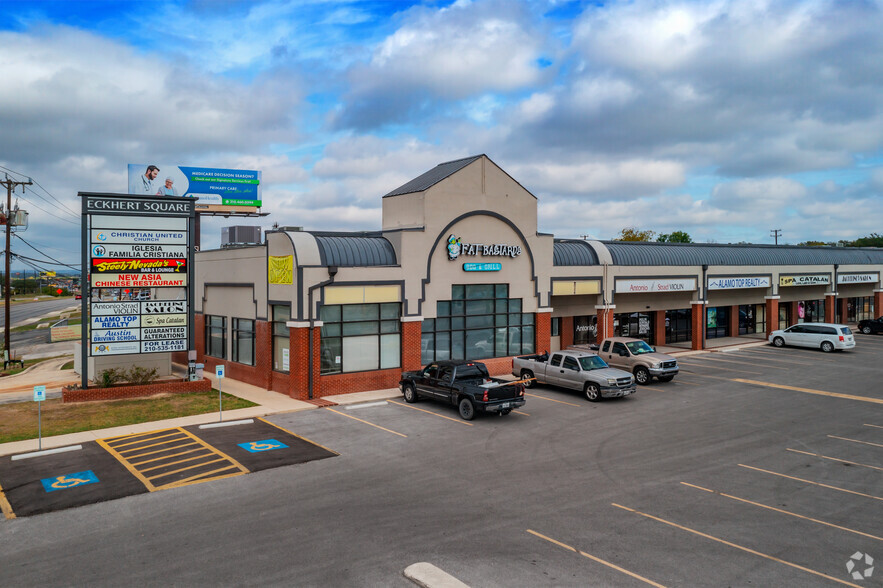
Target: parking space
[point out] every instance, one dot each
(116, 467)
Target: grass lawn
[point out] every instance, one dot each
(18, 421)
(29, 363)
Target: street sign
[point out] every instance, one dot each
(39, 393)
(219, 371)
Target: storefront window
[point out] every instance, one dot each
(678, 325)
(636, 324)
(216, 336)
(360, 337)
(243, 341)
(859, 309)
(281, 314)
(585, 330)
(811, 311)
(556, 326)
(717, 322)
(752, 319)
(480, 321)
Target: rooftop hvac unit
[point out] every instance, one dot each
(233, 236)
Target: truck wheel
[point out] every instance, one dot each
(866, 330)
(467, 409)
(528, 375)
(593, 392)
(827, 346)
(779, 342)
(410, 394)
(642, 375)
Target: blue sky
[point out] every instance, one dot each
(721, 119)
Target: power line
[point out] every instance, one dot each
(47, 255)
(42, 188)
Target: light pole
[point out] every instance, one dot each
(775, 234)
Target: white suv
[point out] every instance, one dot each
(824, 336)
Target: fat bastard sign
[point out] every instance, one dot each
(137, 245)
(661, 285)
(808, 280)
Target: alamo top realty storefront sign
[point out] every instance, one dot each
(138, 259)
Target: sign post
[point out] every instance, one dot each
(39, 397)
(219, 372)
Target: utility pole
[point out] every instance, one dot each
(775, 233)
(10, 186)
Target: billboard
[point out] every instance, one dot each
(216, 188)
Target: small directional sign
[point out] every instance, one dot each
(260, 446)
(69, 481)
(219, 371)
(39, 393)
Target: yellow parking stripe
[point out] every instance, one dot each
(5, 507)
(551, 399)
(284, 430)
(810, 391)
(597, 559)
(855, 441)
(740, 547)
(835, 459)
(110, 445)
(366, 422)
(773, 508)
(462, 422)
(811, 482)
(173, 433)
(171, 463)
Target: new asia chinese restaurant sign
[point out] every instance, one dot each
(117, 280)
(144, 266)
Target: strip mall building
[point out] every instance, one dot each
(459, 271)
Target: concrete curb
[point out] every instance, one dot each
(428, 576)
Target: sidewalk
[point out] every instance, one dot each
(269, 402)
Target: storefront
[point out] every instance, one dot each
(459, 270)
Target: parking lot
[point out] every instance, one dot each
(761, 466)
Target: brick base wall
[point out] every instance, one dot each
(566, 332)
(359, 382)
(698, 320)
(118, 392)
(772, 315)
(658, 328)
(543, 333)
(878, 304)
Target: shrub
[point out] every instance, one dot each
(109, 377)
(141, 375)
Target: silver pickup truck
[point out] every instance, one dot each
(577, 370)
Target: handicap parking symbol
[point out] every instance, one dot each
(260, 446)
(69, 481)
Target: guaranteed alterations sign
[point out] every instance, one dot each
(138, 257)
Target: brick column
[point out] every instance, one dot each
(566, 332)
(199, 336)
(830, 304)
(844, 309)
(263, 353)
(878, 303)
(299, 357)
(734, 321)
(772, 314)
(658, 327)
(412, 329)
(543, 330)
(605, 323)
(698, 324)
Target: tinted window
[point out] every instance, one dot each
(845, 331)
(618, 347)
(471, 371)
(606, 346)
(556, 360)
(570, 363)
(828, 330)
(796, 329)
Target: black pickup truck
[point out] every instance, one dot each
(464, 384)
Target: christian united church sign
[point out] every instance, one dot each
(456, 248)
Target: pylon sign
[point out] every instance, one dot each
(123, 290)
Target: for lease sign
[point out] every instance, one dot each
(160, 346)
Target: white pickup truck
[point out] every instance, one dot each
(577, 370)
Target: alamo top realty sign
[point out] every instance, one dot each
(137, 244)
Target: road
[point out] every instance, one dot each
(26, 310)
(759, 467)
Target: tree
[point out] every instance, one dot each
(816, 244)
(675, 237)
(872, 240)
(634, 234)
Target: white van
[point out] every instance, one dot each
(824, 336)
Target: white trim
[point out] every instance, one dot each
(699, 302)
(411, 319)
(605, 306)
(544, 309)
(302, 324)
(771, 297)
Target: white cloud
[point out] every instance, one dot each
(612, 179)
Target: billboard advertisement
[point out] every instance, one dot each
(215, 187)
